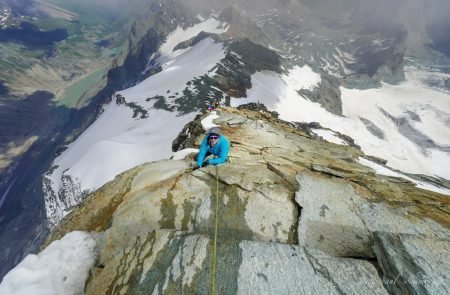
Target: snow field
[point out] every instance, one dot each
(279, 93)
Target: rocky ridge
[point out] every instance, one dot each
(296, 216)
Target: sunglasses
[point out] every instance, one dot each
(213, 137)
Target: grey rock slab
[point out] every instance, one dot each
(329, 220)
(270, 215)
(382, 217)
(248, 177)
(175, 204)
(171, 262)
(284, 269)
(157, 262)
(336, 220)
(156, 172)
(253, 204)
(236, 121)
(412, 264)
(230, 118)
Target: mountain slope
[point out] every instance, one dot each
(119, 139)
(369, 74)
(50, 91)
(294, 212)
(203, 60)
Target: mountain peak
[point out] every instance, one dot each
(284, 198)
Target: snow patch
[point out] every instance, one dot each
(207, 123)
(180, 155)
(433, 122)
(379, 169)
(179, 35)
(328, 135)
(279, 93)
(61, 268)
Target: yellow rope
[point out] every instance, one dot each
(215, 235)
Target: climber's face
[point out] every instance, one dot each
(213, 139)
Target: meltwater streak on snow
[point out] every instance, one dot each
(279, 93)
(61, 268)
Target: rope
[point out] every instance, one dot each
(257, 115)
(215, 234)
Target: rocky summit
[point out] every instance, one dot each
(296, 215)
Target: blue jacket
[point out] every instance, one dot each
(220, 149)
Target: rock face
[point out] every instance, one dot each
(327, 93)
(413, 264)
(295, 216)
(172, 262)
(322, 226)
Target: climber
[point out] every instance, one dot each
(210, 107)
(215, 104)
(214, 144)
